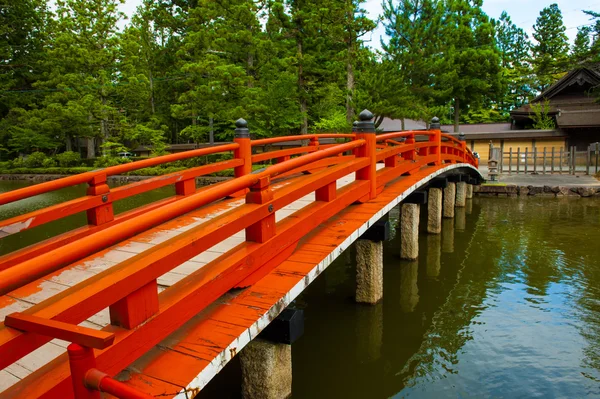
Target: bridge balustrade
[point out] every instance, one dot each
(140, 316)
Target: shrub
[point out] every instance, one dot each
(105, 162)
(69, 158)
(35, 160)
(49, 163)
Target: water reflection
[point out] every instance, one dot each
(434, 255)
(448, 235)
(460, 219)
(506, 306)
(409, 290)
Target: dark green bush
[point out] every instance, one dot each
(35, 160)
(105, 162)
(49, 163)
(69, 158)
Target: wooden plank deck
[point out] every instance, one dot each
(197, 351)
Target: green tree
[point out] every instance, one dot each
(580, 52)
(550, 52)
(514, 48)
(595, 32)
(468, 70)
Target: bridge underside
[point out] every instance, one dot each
(188, 359)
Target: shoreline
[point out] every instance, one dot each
(118, 179)
(513, 190)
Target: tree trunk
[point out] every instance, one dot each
(91, 149)
(403, 124)
(456, 114)
(68, 144)
(350, 72)
(302, 92)
(152, 92)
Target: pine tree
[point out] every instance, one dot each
(595, 32)
(580, 52)
(550, 52)
(514, 48)
(469, 67)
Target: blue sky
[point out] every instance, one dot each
(522, 12)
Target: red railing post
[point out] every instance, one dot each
(136, 307)
(97, 186)
(436, 138)
(409, 155)
(243, 152)
(365, 129)
(264, 229)
(81, 360)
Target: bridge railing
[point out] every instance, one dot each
(140, 316)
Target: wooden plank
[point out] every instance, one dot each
(56, 329)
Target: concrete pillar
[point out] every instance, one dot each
(369, 271)
(461, 194)
(409, 290)
(434, 255)
(434, 211)
(266, 370)
(469, 191)
(409, 231)
(448, 235)
(460, 219)
(449, 200)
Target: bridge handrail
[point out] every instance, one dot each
(34, 268)
(129, 278)
(283, 139)
(37, 189)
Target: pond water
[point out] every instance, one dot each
(504, 303)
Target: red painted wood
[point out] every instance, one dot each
(136, 307)
(55, 329)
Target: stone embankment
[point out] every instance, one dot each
(537, 191)
(119, 179)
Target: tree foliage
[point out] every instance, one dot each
(81, 78)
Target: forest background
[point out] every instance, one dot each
(181, 71)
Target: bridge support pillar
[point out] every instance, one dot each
(369, 271)
(469, 191)
(461, 194)
(449, 200)
(267, 361)
(409, 231)
(434, 211)
(266, 370)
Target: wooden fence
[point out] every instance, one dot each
(550, 160)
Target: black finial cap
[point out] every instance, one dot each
(435, 123)
(241, 130)
(366, 124)
(461, 136)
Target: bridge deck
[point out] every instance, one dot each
(190, 357)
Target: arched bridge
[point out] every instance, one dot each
(156, 300)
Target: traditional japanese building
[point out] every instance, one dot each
(572, 104)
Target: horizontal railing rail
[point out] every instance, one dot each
(140, 316)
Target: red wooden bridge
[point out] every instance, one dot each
(156, 300)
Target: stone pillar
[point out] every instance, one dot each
(460, 219)
(434, 255)
(469, 191)
(461, 194)
(369, 271)
(434, 211)
(409, 290)
(448, 235)
(409, 231)
(266, 370)
(449, 200)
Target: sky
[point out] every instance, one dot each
(522, 12)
